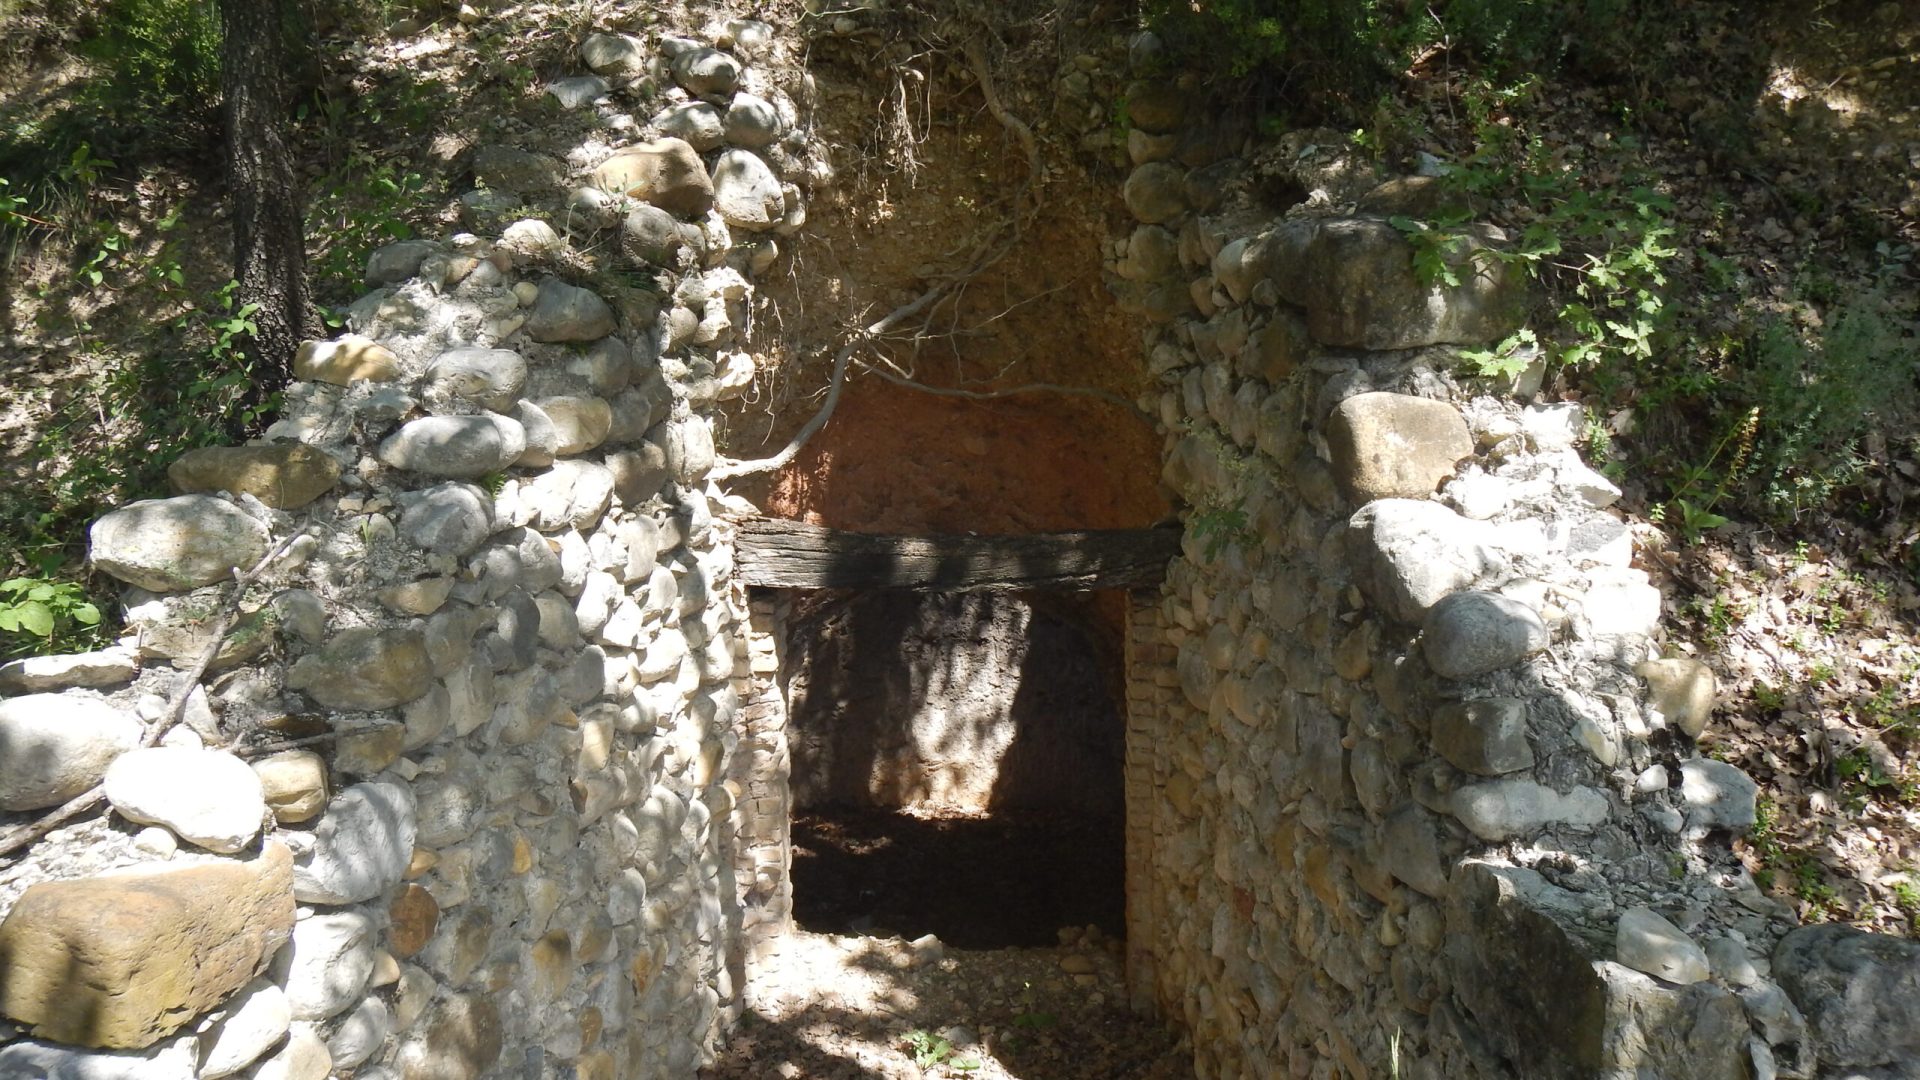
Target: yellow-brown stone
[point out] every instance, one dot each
(367, 752)
(590, 1026)
(294, 783)
(126, 960)
(461, 1041)
(522, 853)
(350, 359)
(597, 1065)
(421, 864)
(667, 173)
(414, 916)
(552, 964)
(285, 475)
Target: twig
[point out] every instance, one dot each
(26, 834)
(263, 749)
(993, 247)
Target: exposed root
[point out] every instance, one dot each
(992, 245)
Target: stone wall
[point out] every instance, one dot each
(1426, 799)
(481, 768)
(477, 783)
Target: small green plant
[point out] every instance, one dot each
(1906, 897)
(1222, 525)
(40, 609)
(360, 206)
(928, 1049)
(1506, 360)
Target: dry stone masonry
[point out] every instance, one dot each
(488, 773)
(457, 799)
(1424, 798)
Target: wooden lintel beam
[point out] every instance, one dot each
(792, 554)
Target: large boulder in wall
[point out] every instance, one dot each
(125, 960)
(1356, 280)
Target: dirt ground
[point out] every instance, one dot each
(830, 1007)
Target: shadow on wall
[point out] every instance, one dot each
(959, 703)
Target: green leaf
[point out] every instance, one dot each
(85, 614)
(9, 619)
(35, 618)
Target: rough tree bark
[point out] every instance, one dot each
(269, 243)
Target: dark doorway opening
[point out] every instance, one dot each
(957, 764)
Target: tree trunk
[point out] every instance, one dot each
(269, 242)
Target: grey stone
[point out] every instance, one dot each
(448, 810)
(459, 1039)
(1729, 960)
(639, 474)
(543, 438)
(706, 71)
(752, 122)
(492, 378)
(362, 845)
(254, 1020)
(1860, 994)
(1156, 106)
(361, 1034)
(589, 209)
(608, 366)
(654, 237)
(397, 262)
(1411, 849)
(686, 448)
(1395, 446)
(363, 668)
(1645, 941)
(1155, 193)
(39, 674)
(1558, 426)
(580, 422)
(484, 208)
(448, 519)
(56, 746)
(1473, 633)
(572, 494)
(563, 312)
(746, 192)
(1357, 283)
(520, 559)
(302, 1057)
(459, 447)
(1408, 555)
(206, 797)
(578, 91)
(614, 54)
(1276, 348)
(1503, 809)
(171, 545)
(1534, 994)
(1487, 736)
(1718, 795)
(509, 168)
(30, 1060)
(325, 967)
(700, 124)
